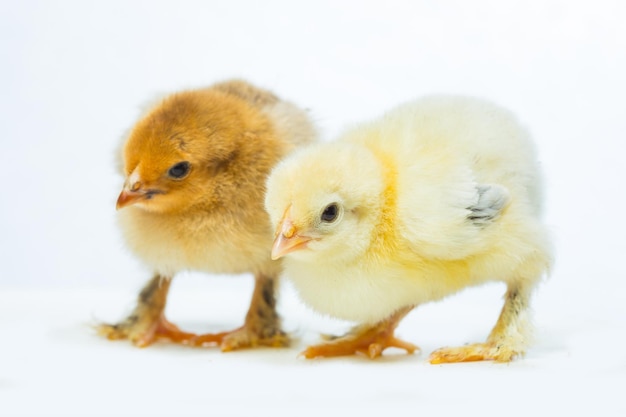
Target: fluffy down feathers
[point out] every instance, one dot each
(437, 195)
(195, 167)
(212, 219)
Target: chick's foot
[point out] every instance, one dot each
(507, 340)
(370, 343)
(261, 328)
(147, 322)
(139, 334)
(162, 329)
(241, 338)
(367, 340)
(143, 333)
(473, 353)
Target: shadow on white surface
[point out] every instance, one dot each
(54, 364)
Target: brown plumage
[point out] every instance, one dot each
(195, 168)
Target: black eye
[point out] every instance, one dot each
(179, 170)
(330, 213)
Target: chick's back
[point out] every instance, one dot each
(439, 151)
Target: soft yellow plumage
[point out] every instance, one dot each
(437, 195)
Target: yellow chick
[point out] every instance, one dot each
(195, 168)
(436, 196)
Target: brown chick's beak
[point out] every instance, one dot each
(287, 240)
(127, 198)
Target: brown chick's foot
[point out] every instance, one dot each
(139, 335)
(262, 326)
(166, 330)
(162, 329)
(146, 322)
(143, 334)
(248, 337)
(473, 353)
(240, 339)
(367, 340)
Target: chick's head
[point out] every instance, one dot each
(174, 155)
(324, 202)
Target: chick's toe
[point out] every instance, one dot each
(262, 326)
(147, 321)
(367, 340)
(473, 353)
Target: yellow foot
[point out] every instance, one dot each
(475, 352)
(370, 342)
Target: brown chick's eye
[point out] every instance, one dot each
(330, 213)
(179, 170)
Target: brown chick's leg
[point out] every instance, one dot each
(367, 340)
(261, 328)
(507, 340)
(147, 322)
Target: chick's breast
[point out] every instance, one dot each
(209, 242)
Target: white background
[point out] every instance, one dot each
(73, 77)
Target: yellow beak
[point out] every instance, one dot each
(287, 238)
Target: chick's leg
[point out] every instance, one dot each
(368, 340)
(507, 340)
(147, 322)
(262, 326)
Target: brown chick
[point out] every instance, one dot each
(195, 168)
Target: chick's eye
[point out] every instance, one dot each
(330, 213)
(179, 170)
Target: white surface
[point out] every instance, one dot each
(73, 77)
(52, 364)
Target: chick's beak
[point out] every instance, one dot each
(132, 193)
(287, 239)
(128, 197)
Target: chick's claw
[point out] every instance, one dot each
(120, 331)
(141, 334)
(111, 331)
